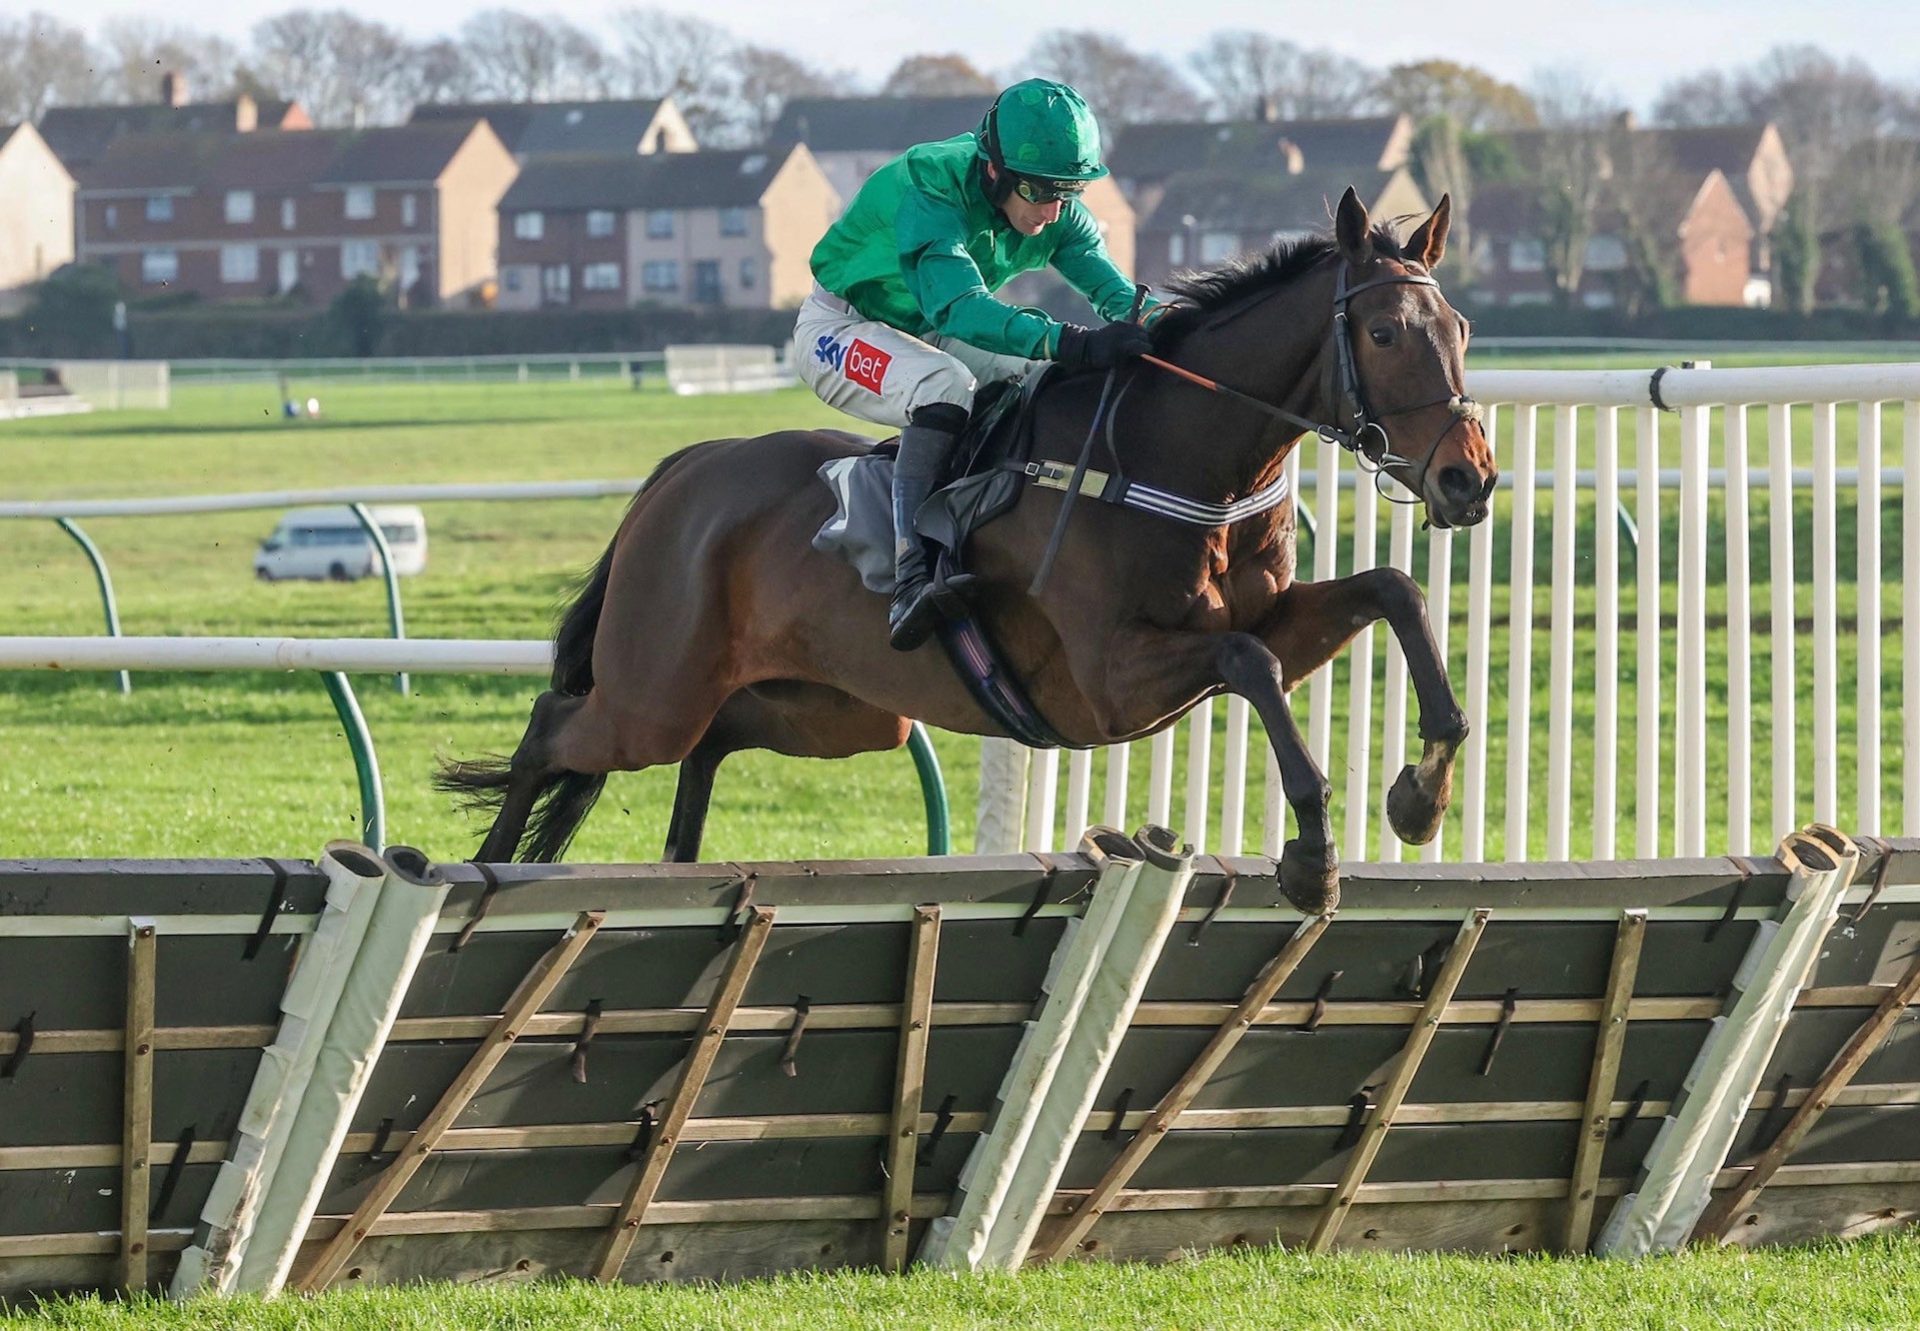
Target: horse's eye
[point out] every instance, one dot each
(1382, 336)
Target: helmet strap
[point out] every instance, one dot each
(998, 183)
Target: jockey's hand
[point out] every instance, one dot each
(1101, 348)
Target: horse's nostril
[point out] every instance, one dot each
(1458, 483)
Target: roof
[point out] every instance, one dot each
(1729, 149)
(1157, 150)
(276, 159)
(534, 129)
(1267, 200)
(876, 124)
(396, 154)
(703, 179)
(80, 134)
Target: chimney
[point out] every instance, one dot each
(1290, 155)
(246, 114)
(173, 88)
(1265, 109)
(1626, 120)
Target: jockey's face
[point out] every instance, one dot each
(1029, 219)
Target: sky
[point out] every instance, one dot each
(1628, 47)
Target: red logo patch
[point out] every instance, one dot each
(867, 365)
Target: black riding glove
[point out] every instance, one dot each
(1101, 348)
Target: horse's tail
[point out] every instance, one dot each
(563, 799)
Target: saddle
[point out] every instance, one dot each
(985, 480)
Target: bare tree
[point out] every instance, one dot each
(1570, 173)
(767, 79)
(1707, 98)
(936, 76)
(1442, 162)
(1647, 197)
(344, 69)
(1251, 73)
(438, 71)
(687, 59)
(1122, 86)
(1472, 98)
(135, 52)
(43, 62)
(517, 57)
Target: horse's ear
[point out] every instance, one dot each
(1429, 242)
(1352, 230)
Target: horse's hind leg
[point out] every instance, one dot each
(786, 717)
(529, 773)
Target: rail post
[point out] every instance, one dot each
(366, 765)
(933, 790)
(395, 618)
(101, 576)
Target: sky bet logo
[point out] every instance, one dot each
(827, 351)
(867, 365)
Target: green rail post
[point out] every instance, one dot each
(373, 809)
(933, 789)
(101, 576)
(395, 618)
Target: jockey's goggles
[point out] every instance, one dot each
(1047, 191)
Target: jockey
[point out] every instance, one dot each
(902, 326)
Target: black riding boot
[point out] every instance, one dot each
(924, 448)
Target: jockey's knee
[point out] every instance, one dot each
(947, 417)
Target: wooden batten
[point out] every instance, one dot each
(1610, 1039)
(910, 1075)
(136, 1138)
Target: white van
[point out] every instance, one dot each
(330, 543)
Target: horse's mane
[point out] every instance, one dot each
(1205, 293)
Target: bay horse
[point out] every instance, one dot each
(711, 625)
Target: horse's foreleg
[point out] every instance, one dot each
(1318, 618)
(1309, 865)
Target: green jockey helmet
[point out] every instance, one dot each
(1044, 131)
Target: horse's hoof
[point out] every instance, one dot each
(1310, 878)
(1414, 815)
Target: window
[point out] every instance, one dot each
(510, 278)
(360, 258)
(157, 266)
(660, 275)
(409, 210)
(286, 214)
(160, 207)
(1597, 300)
(600, 277)
(1526, 256)
(1218, 246)
(529, 226)
(113, 217)
(749, 271)
(359, 202)
(733, 221)
(1177, 248)
(556, 284)
(600, 223)
(239, 263)
(1606, 254)
(409, 267)
(660, 225)
(239, 205)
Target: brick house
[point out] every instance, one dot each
(545, 129)
(852, 137)
(605, 231)
(1712, 240)
(276, 213)
(1206, 191)
(80, 135)
(36, 213)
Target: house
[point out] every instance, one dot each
(852, 137)
(1709, 238)
(1752, 157)
(36, 213)
(543, 129)
(1205, 192)
(273, 213)
(79, 135)
(605, 231)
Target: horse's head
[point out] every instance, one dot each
(1399, 364)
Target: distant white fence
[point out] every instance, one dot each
(1647, 714)
(723, 368)
(101, 385)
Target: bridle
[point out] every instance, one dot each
(1367, 439)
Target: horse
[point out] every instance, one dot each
(711, 625)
